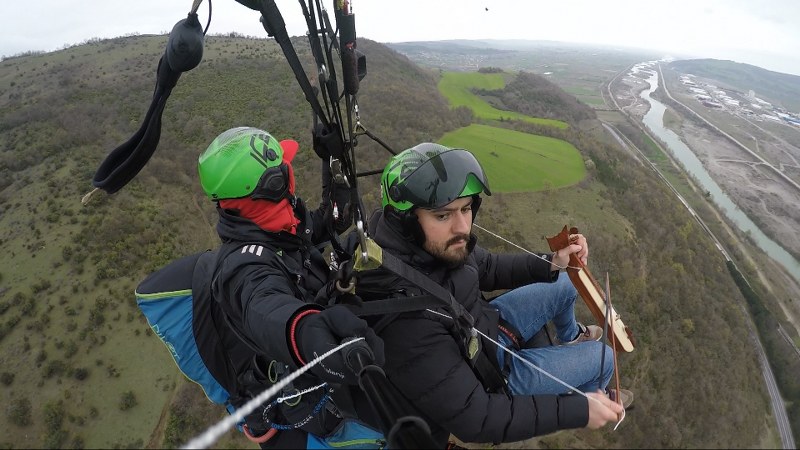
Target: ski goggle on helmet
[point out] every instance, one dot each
(244, 162)
(431, 176)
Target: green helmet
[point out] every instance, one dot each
(239, 162)
(431, 176)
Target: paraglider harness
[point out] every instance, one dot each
(334, 138)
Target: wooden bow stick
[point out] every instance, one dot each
(617, 393)
(620, 336)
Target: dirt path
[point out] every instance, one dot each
(157, 436)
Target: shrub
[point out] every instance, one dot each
(54, 415)
(19, 412)
(55, 438)
(127, 401)
(28, 306)
(6, 378)
(54, 367)
(77, 442)
(81, 373)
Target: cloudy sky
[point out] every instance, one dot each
(764, 33)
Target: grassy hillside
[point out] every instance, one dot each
(80, 367)
(520, 162)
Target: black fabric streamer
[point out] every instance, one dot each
(125, 161)
(183, 53)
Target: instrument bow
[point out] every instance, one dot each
(619, 335)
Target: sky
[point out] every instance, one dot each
(764, 33)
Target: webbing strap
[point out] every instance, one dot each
(394, 305)
(492, 380)
(411, 274)
(511, 332)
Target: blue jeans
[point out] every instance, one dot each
(529, 308)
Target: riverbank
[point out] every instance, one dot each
(748, 185)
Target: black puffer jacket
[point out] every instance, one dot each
(261, 280)
(423, 358)
(265, 278)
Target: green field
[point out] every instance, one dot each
(457, 88)
(516, 161)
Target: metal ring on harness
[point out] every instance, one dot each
(276, 426)
(295, 396)
(272, 372)
(349, 287)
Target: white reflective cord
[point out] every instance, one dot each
(298, 394)
(577, 391)
(518, 246)
(515, 355)
(214, 432)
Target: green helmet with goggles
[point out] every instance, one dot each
(431, 176)
(244, 162)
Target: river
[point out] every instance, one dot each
(654, 120)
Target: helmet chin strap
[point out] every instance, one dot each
(405, 223)
(476, 205)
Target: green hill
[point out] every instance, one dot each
(520, 162)
(80, 366)
(460, 88)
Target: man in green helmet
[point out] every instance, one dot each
(430, 196)
(268, 279)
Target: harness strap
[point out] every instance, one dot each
(483, 367)
(393, 305)
(411, 274)
(492, 379)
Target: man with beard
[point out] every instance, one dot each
(430, 196)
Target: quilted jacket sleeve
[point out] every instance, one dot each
(512, 270)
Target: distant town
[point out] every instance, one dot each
(749, 105)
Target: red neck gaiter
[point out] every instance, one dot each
(269, 216)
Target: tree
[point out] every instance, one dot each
(127, 401)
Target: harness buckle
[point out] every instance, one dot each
(371, 253)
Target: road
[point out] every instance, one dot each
(778, 406)
(731, 138)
